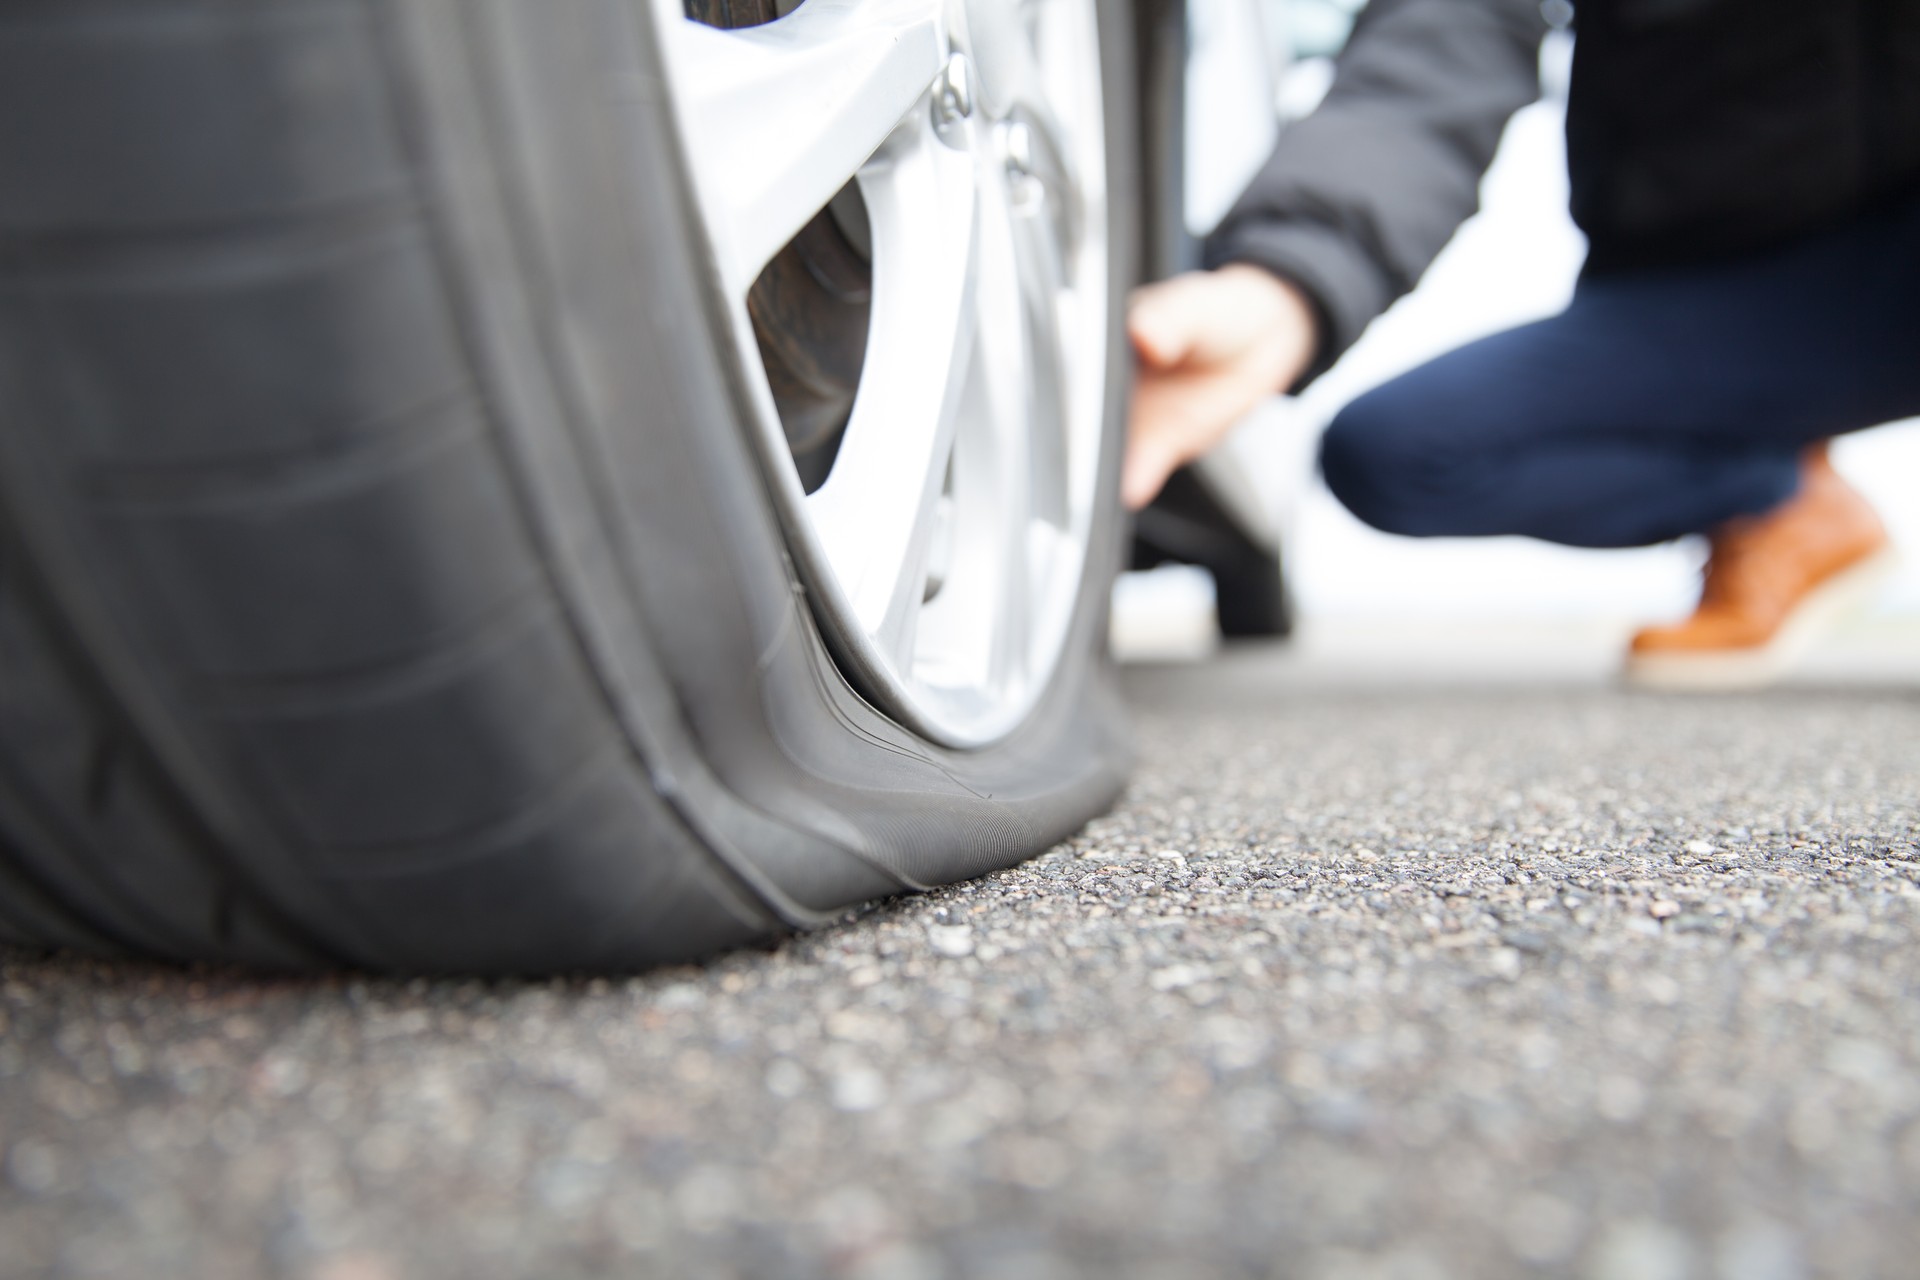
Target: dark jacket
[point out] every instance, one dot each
(1696, 129)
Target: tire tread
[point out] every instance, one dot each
(328, 581)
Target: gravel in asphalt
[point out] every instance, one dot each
(1406, 983)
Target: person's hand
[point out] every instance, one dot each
(1212, 345)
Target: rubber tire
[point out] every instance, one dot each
(386, 575)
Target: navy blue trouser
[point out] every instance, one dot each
(1659, 403)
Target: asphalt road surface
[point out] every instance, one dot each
(1380, 977)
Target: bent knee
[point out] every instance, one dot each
(1382, 466)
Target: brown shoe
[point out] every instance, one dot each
(1774, 583)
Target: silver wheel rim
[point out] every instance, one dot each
(944, 551)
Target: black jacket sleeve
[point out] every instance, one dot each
(1358, 197)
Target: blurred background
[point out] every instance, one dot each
(1515, 261)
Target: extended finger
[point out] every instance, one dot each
(1176, 417)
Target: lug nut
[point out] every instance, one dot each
(1019, 143)
(953, 91)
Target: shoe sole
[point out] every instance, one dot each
(1731, 670)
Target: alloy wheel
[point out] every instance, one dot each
(927, 179)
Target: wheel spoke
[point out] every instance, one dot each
(1049, 320)
(1009, 364)
(874, 513)
(974, 633)
(779, 117)
(1004, 56)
